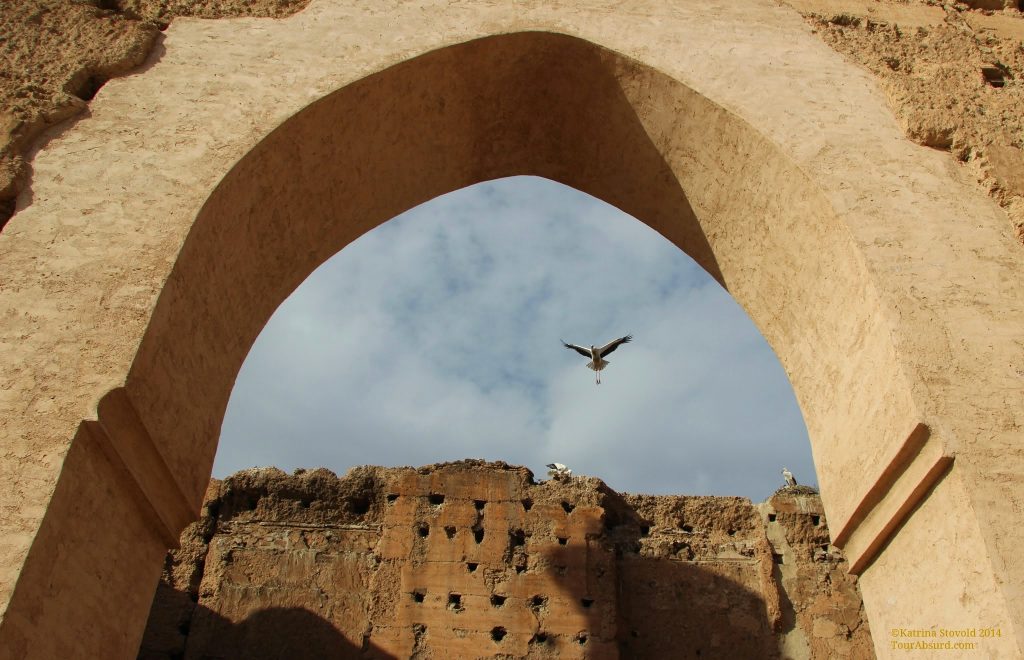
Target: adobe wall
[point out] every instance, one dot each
(158, 233)
(475, 559)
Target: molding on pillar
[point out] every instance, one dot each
(900, 486)
(128, 444)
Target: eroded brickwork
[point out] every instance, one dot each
(476, 559)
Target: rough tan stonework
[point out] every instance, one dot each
(949, 70)
(162, 228)
(56, 54)
(475, 559)
(953, 76)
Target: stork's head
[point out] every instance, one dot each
(785, 470)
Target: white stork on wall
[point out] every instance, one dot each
(596, 355)
(556, 470)
(788, 476)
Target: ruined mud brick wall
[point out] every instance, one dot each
(475, 559)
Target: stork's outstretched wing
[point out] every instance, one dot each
(585, 352)
(612, 345)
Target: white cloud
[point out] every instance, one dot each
(435, 337)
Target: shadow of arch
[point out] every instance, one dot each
(280, 632)
(508, 567)
(266, 634)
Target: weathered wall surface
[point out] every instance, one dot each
(949, 71)
(475, 559)
(887, 284)
(952, 75)
(57, 54)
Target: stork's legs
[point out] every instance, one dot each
(598, 374)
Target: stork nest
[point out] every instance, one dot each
(797, 490)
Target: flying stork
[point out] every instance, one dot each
(596, 355)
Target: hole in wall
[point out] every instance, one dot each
(581, 638)
(538, 602)
(771, 517)
(478, 534)
(731, 532)
(539, 638)
(645, 530)
(498, 600)
(7, 207)
(435, 499)
(392, 497)
(568, 507)
(686, 528)
(777, 558)
(498, 633)
(90, 86)
(360, 506)
(528, 503)
(479, 504)
(517, 538)
(815, 520)
(586, 602)
(449, 531)
(472, 566)
(419, 596)
(455, 602)
(994, 75)
(563, 540)
(423, 531)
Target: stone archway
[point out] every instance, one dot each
(829, 229)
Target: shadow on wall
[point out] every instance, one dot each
(180, 629)
(672, 609)
(666, 609)
(320, 567)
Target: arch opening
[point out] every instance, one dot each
(538, 104)
(435, 337)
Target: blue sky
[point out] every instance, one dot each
(435, 337)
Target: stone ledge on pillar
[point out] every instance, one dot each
(85, 587)
(130, 448)
(902, 483)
